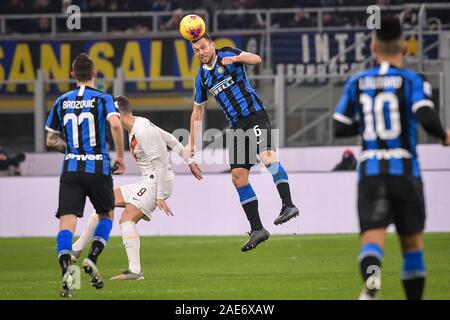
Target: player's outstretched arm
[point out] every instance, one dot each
(154, 146)
(55, 142)
(244, 57)
(195, 170)
(163, 189)
(178, 148)
(195, 126)
(117, 135)
(160, 166)
(172, 142)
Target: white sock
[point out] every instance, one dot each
(132, 244)
(87, 234)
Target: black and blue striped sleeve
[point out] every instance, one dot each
(230, 52)
(112, 109)
(423, 107)
(53, 123)
(200, 93)
(344, 115)
(421, 93)
(345, 109)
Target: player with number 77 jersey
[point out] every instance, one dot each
(81, 116)
(150, 146)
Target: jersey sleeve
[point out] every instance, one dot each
(53, 123)
(230, 52)
(172, 142)
(429, 119)
(346, 108)
(111, 106)
(421, 93)
(200, 93)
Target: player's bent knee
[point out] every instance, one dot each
(131, 213)
(239, 177)
(268, 156)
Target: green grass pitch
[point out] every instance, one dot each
(284, 267)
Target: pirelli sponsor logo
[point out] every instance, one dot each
(222, 85)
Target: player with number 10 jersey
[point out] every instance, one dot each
(385, 105)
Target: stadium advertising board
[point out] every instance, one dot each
(311, 53)
(139, 58)
(294, 53)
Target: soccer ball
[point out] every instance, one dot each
(192, 27)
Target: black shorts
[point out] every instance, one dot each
(383, 200)
(249, 137)
(75, 186)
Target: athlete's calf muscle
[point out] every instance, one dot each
(374, 236)
(68, 222)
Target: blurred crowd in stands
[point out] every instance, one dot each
(176, 7)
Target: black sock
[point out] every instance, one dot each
(414, 288)
(96, 250)
(285, 193)
(249, 202)
(64, 262)
(251, 210)
(413, 274)
(368, 266)
(281, 180)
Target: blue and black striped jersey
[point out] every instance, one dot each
(229, 85)
(384, 100)
(81, 115)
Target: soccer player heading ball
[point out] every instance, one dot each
(222, 73)
(389, 100)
